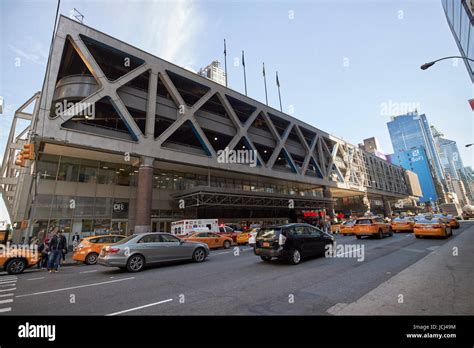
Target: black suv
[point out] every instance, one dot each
(291, 242)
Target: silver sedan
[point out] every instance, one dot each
(138, 250)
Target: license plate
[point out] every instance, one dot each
(266, 244)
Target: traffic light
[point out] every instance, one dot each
(20, 160)
(28, 152)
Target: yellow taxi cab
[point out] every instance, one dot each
(432, 226)
(89, 248)
(452, 221)
(347, 227)
(371, 226)
(14, 259)
(403, 223)
(243, 238)
(213, 240)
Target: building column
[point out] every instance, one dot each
(386, 207)
(144, 195)
(330, 206)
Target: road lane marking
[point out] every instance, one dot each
(8, 278)
(224, 252)
(75, 287)
(7, 289)
(8, 282)
(36, 278)
(140, 307)
(94, 270)
(6, 295)
(8, 309)
(6, 301)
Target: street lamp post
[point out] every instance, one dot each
(468, 145)
(429, 64)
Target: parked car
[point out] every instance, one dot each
(139, 250)
(372, 226)
(432, 226)
(213, 240)
(244, 237)
(403, 224)
(347, 227)
(89, 248)
(291, 242)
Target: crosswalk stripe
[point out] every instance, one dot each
(8, 309)
(6, 301)
(6, 295)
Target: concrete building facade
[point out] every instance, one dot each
(125, 141)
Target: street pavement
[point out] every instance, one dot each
(230, 284)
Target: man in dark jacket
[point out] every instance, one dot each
(57, 246)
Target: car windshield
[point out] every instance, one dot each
(363, 222)
(269, 232)
(348, 223)
(125, 240)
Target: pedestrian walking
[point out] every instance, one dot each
(57, 246)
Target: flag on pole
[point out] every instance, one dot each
(278, 81)
(263, 69)
(225, 50)
(243, 59)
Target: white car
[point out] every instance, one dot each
(253, 235)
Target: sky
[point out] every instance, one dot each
(344, 66)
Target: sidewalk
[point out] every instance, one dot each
(438, 284)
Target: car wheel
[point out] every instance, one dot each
(380, 234)
(226, 244)
(135, 263)
(358, 237)
(91, 259)
(266, 258)
(15, 266)
(295, 257)
(199, 255)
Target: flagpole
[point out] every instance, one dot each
(245, 76)
(265, 82)
(279, 95)
(225, 63)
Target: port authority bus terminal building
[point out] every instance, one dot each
(127, 141)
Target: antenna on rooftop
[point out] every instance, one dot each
(75, 14)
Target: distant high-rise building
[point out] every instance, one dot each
(412, 131)
(416, 160)
(214, 72)
(460, 16)
(452, 164)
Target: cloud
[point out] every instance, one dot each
(168, 29)
(31, 50)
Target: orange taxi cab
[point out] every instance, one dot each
(89, 248)
(452, 221)
(371, 226)
(213, 240)
(347, 227)
(14, 259)
(405, 224)
(243, 238)
(432, 226)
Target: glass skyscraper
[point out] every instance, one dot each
(412, 131)
(459, 14)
